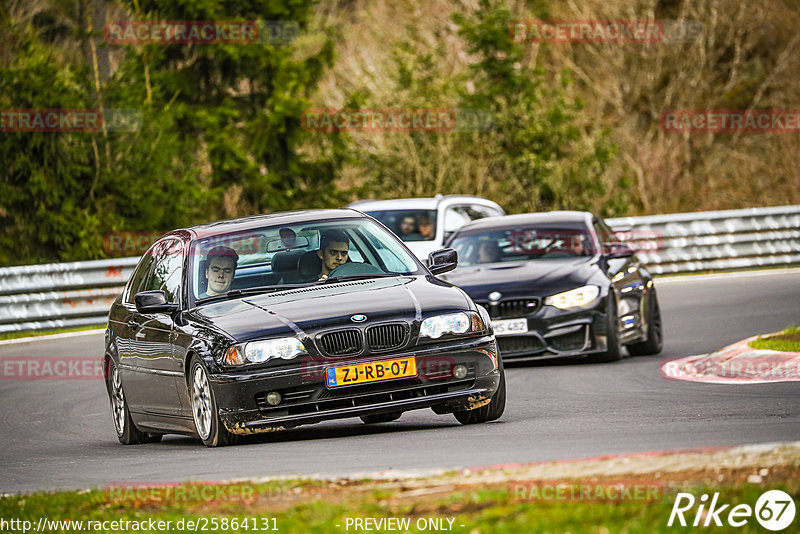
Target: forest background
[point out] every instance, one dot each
(219, 127)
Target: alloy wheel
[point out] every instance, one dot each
(117, 401)
(201, 402)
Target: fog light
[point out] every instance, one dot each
(460, 371)
(273, 398)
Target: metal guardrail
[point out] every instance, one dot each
(714, 240)
(59, 295)
(62, 295)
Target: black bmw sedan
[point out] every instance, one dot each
(279, 320)
(558, 284)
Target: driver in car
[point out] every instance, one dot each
(577, 246)
(333, 249)
(489, 252)
(221, 266)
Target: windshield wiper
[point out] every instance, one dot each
(234, 293)
(262, 289)
(361, 276)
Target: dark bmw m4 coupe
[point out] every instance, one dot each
(275, 321)
(558, 284)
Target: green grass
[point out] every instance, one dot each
(36, 333)
(786, 341)
(479, 510)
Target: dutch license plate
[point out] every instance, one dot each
(510, 327)
(370, 372)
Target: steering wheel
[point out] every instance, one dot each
(352, 267)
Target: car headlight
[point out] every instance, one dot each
(284, 348)
(451, 323)
(574, 298)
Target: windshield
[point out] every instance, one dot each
(281, 257)
(409, 225)
(522, 244)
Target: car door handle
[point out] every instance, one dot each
(133, 324)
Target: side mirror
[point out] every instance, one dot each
(442, 261)
(617, 250)
(153, 302)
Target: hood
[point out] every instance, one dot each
(311, 309)
(529, 278)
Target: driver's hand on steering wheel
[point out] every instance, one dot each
(323, 277)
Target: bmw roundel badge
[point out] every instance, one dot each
(358, 318)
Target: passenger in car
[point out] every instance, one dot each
(408, 229)
(426, 227)
(334, 246)
(288, 238)
(220, 269)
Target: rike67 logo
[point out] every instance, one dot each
(774, 510)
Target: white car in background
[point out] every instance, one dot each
(445, 213)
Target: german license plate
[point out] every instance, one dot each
(510, 327)
(370, 372)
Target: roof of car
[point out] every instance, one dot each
(414, 203)
(566, 218)
(257, 221)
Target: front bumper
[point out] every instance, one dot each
(243, 409)
(554, 333)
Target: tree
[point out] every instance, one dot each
(217, 126)
(539, 157)
(244, 102)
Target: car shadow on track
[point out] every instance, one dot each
(574, 360)
(326, 431)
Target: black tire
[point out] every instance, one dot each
(127, 432)
(491, 411)
(381, 418)
(205, 412)
(613, 351)
(654, 341)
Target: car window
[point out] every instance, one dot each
(522, 244)
(394, 258)
(604, 233)
(139, 277)
(167, 270)
(457, 216)
(492, 212)
(228, 262)
(408, 225)
(475, 211)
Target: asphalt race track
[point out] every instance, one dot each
(58, 433)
